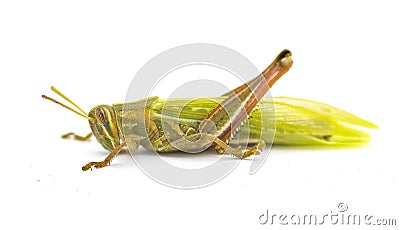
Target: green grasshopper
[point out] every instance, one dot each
(195, 124)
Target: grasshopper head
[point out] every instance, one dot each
(103, 123)
(101, 118)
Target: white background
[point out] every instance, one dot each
(345, 54)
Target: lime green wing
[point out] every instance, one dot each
(306, 122)
(293, 121)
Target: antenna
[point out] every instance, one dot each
(81, 113)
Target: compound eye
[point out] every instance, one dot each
(101, 115)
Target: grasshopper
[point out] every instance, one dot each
(202, 122)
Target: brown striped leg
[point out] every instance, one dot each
(77, 137)
(106, 161)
